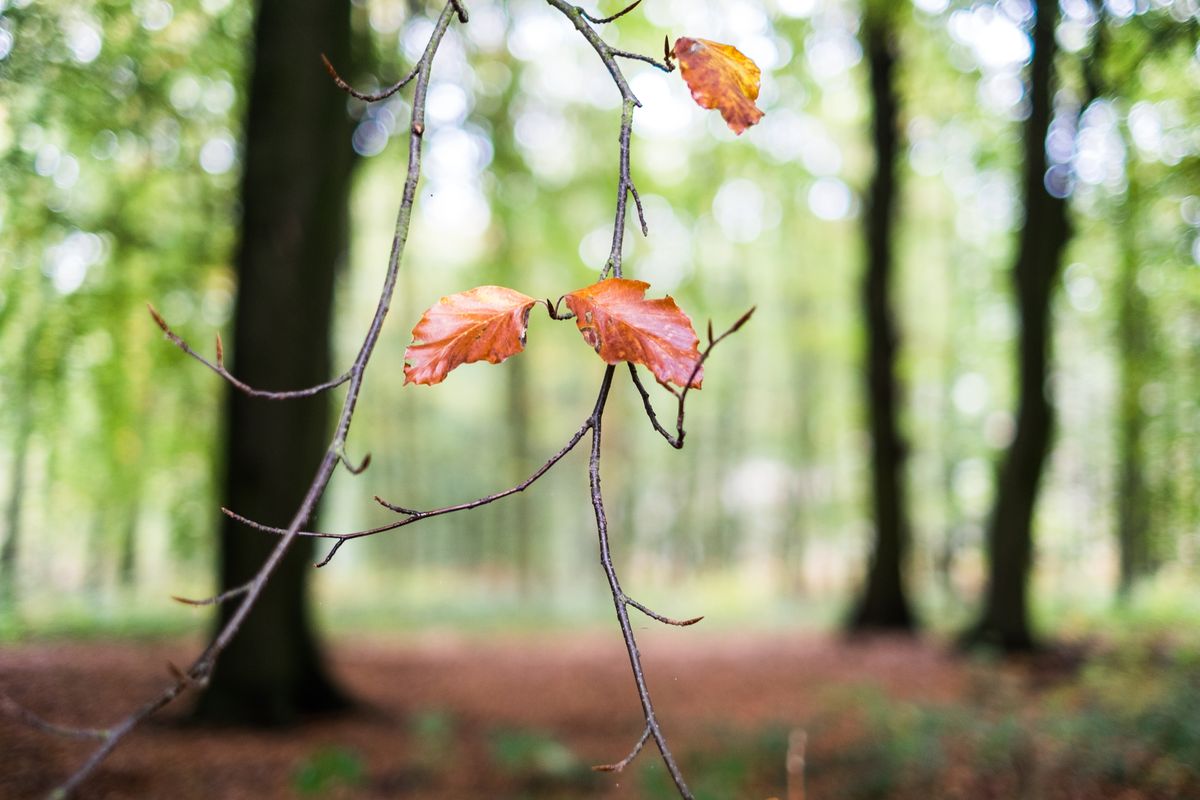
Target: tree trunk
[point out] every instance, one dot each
(127, 565)
(1134, 351)
(295, 189)
(12, 515)
(1005, 620)
(884, 604)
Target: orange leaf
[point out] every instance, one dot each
(721, 77)
(620, 324)
(483, 324)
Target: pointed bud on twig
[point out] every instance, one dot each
(220, 351)
(710, 332)
(744, 319)
(162, 323)
(668, 56)
(177, 673)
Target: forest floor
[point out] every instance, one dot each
(448, 716)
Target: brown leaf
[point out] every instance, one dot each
(721, 77)
(620, 324)
(483, 324)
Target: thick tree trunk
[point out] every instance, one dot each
(1005, 619)
(293, 234)
(884, 604)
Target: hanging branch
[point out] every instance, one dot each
(219, 367)
(625, 185)
(504, 313)
(198, 673)
(501, 307)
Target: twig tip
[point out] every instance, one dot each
(162, 323)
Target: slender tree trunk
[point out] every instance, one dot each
(1134, 350)
(127, 566)
(1005, 622)
(12, 518)
(883, 604)
(295, 191)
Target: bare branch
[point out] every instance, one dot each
(641, 212)
(620, 600)
(332, 552)
(11, 708)
(245, 388)
(412, 515)
(679, 623)
(625, 188)
(364, 96)
(214, 601)
(613, 18)
(354, 470)
(665, 66)
(676, 439)
(627, 760)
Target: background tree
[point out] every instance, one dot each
(293, 235)
(1005, 620)
(884, 603)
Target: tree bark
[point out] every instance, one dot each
(1005, 622)
(295, 190)
(884, 604)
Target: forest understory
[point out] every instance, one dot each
(453, 716)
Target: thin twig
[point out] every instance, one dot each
(665, 66)
(11, 708)
(613, 18)
(332, 552)
(245, 388)
(676, 439)
(216, 600)
(555, 312)
(629, 102)
(198, 673)
(364, 96)
(679, 623)
(641, 212)
(620, 600)
(627, 760)
(350, 467)
(412, 515)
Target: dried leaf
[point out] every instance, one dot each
(483, 324)
(721, 77)
(620, 324)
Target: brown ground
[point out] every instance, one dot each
(437, 703)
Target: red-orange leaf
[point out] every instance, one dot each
(721, 77)
(620, 324)
(483, 324)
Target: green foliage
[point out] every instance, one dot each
(537, 759)
(432, 734)
(107, 205)
(328, 770)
